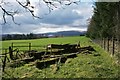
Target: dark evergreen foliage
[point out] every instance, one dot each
(106, 20)
(19, 36)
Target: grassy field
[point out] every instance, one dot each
(83, 66)
(43, 42)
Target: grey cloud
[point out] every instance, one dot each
(62, 17)
(18, 28)
(80, 26)
(57, 18)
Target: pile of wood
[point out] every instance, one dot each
(52, 59)
(54, 53)
(63, 47)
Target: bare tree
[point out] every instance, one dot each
(51, 4)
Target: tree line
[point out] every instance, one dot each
(22, 36)
(105, 21)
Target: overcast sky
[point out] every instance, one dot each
(73, 17)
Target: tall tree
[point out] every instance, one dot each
(106, 20)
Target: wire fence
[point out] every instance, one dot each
(111, 45)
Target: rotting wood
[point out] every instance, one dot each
(46, 63)
(113, 46)
(108, 44)
(4, 63)
(62, 46)
(61, 59)
(60, 56)
(11, 53)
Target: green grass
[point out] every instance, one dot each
(44, 42)
(83, 66)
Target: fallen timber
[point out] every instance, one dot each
(62, 58)
(46, 59)
(61, 47)
(54, 60)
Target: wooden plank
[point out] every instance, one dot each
(45, 63)
(57, 46)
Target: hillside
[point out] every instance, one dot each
(67, 33)
(98, 64)
(42, 35)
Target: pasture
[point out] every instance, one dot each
(45, 41)
(98, 64)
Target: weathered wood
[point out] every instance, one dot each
(4, 63)
(72, 55)
(62, 59)
(104, 43)
(46, 63)
(11, 53)
(108, 44)
(57, 46)
(67, 47)
(119, 46)
(29, 46)
(89, 48)
(63, 46)
(113, 46)
(19, 63)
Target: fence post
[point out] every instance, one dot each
(118, 46)
(11, 53)
(113, 45)
(104, 43)
(29, 47)
(78, 45)
(12, 46)
(108, 44)
(101, 42)
(4, 62)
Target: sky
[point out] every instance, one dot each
(64, 18)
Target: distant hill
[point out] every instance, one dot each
(67, 33)
(42, 35)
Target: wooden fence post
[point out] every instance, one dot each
(108, 44)
(78, 45)
(12, 46)
(11, 53)
(104, 43)
(113, 46)
(4, 61)
(29, 47)
(119, 46)
(101, 42)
